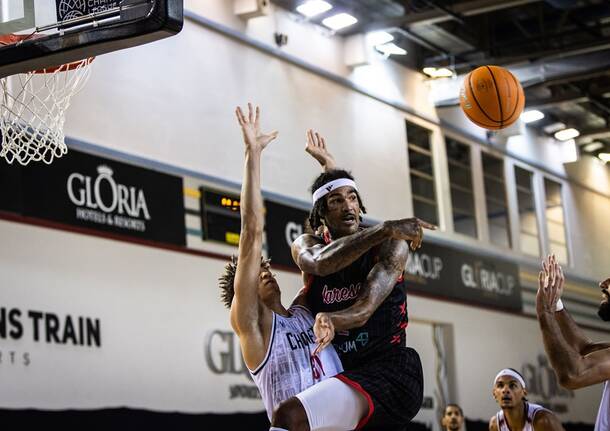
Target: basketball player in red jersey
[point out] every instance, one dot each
(353, 277)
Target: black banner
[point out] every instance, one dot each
(456, 274)
(283, 225)
(97, 193)
(11, 195)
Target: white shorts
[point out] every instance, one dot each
(332, 405)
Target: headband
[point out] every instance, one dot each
(332, 185)
(512, 373)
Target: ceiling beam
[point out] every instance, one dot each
(533, 56)
(570, 77)
(532, 103)
(436, 15)
(593, 134)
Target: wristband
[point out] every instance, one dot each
(559, 305)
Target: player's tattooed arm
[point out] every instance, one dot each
(574, 335)
(574, 369)
(314, 257)
(381, 280)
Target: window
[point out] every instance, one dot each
(528, 226)
(422, 173)
(555, 221)
(462, 195)
(495, 197)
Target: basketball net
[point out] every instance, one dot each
(33, 111)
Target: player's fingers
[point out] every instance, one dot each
(309, 137)
(541, 278)
(250, 113)
(317, 349)
(427, 225)
(322, 142)
(240, 116)
(257, 115)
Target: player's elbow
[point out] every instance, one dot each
(251, 230)
(314, 265)
(568, 380)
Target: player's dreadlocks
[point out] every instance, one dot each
(319, 209)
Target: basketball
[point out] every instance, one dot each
(491, 97)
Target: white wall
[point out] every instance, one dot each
(156, 309)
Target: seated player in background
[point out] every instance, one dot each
(277, 343)
(577, 361)
(516, 412)
(453, 418)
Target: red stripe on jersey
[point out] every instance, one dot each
(360, 389)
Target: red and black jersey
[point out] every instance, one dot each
(385, 329)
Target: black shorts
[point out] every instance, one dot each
(393, 384)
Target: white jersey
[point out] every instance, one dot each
(289, 367)
(602, 423)
(532, 409)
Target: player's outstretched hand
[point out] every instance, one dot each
(251, 129)
(550, 285)
(316, 148)
(324, 330)
(408, 229)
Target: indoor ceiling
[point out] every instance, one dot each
(561, 49)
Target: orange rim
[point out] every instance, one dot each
(64, 67)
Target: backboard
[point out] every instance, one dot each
(63, 31)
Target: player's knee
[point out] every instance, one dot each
(290, 415)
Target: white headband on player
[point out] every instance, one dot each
(511, 373)
(332, 185)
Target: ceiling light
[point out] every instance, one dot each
(379, 37)
(554, 127)
(531, 116)
(565, 134)
(391, 49)
(313, 7)
(441, 72)
(605, 157)
(339, 21)
(593, 146)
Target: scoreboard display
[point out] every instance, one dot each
(220, 216)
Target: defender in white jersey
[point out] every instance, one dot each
(290, 365)
(277, 343)
(577, 360)
(517, 414)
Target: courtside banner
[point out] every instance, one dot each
(283, 224)
(451, 273)
(97, 324)
(102, 194)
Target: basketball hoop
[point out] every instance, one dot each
(33, 107)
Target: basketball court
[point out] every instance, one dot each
(121, 166)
